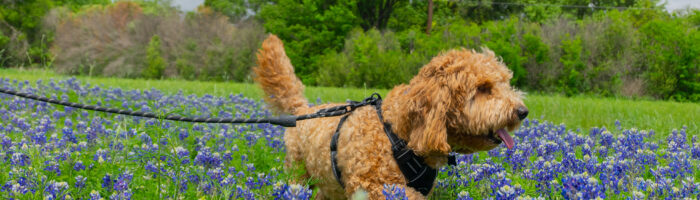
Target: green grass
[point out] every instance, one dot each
(575, 112)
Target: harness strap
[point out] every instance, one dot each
(334, 150)
(419, 175)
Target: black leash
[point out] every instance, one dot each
(286, 120)
(419, 175)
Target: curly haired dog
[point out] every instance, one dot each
(461, 102)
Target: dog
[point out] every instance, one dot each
(461, 101)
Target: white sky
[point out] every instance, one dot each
(680, 4)
(190, 5)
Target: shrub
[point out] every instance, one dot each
(671, 53)
(369, 59)
(571, 79)
(155, 64)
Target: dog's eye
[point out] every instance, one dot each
(484, 88)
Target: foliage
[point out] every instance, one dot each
(631, 48)
(571, 79)
(605, 54)
(22, 22)
(309, 28)
(120, 40)
(370, 59)
(155, 64)
(673, 63)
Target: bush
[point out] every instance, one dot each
(605, 54)
(370, 59)
(571, 79)
(671, 52)
(155, 64)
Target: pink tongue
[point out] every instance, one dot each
(503, 134)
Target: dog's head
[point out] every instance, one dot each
(461, 101)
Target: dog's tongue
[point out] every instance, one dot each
(503, 134)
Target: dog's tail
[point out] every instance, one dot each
(275, 74)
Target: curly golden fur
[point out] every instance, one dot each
(455, 103)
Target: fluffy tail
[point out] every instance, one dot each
(275, 74)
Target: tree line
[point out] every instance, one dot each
(631, 48)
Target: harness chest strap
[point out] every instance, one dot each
(419, 175)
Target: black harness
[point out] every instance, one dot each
(419, 175)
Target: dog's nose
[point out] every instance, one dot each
(522, 112)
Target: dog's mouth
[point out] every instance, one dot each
(501, 136)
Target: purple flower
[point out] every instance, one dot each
(55, 190)
(20, 159)
(207, 159)
(296, 192)
(122, 182)
(94, 195)
(52, 166)
(464, 195)
(581, 186)
(183, 134)
(107, 182)
(78, 166)
(393, 192)
(80, 182)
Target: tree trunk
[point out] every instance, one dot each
(429, 23)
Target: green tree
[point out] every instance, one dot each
(155, 64)
(571, 79)
(309, 28)
(375, 13)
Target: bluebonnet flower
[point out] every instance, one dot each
(464, 195)
(250, 167)
(94, 195)
(52, 166)
(695, 151)
(6, 142)
(606, 139)
(182, 154)
(80, 182)
(637, 195)
(183, 134)
(216, 174)
(582, 186)
(55, 190)
(507, 192)
(20, 159)
(547, 171)
(296, 192)
(107, 182)
(394, 192)
(78, 166)
(150, 167)
(208, 159)
(101, 156)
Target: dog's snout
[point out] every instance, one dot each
(522, 112)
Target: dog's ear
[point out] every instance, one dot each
(428, 134)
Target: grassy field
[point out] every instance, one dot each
(574, 112)
(216, 161)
